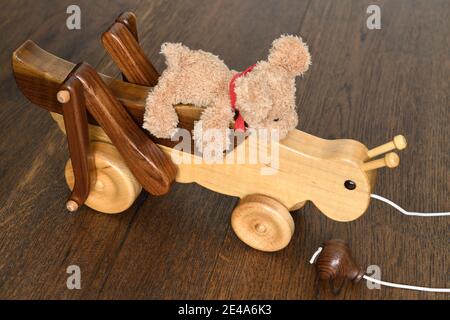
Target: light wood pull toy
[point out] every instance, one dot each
(109, 173)
(390, 160)
(399, 143)
(41, 87)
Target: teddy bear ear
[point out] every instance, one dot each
(291, 53)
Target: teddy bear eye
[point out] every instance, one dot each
(276, 119)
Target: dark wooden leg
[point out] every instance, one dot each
(129, 20)
(76, 123)
(121, 42)
(152, 168)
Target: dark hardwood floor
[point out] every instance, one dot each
(364, 84)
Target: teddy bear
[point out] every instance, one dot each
(263, 96)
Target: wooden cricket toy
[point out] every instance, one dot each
(112, 158)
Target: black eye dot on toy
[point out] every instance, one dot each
(350, 185)
(276, 120)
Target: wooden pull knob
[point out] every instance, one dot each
(390, 160)
(399, 143)
(336, 262)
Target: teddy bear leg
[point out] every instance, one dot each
(160, 117)
(212, 131)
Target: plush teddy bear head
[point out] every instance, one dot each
(266, 95)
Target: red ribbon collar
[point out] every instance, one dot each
(239, 123)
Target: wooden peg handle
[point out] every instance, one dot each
(390, 160)
(399, 143)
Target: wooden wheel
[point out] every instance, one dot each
(262, 223)
(116, 188)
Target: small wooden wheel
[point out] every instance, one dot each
(116, 188)
(262, 223)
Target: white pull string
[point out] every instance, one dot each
(408, 213)
(405, 286)
(314, 256)
(385, 283)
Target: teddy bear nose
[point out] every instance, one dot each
(276, 119)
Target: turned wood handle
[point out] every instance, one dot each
(151, 167)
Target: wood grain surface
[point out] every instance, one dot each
(364, 84)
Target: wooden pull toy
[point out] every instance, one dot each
(112, 157)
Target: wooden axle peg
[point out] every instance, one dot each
(390, 160)
(399, 143)
(63, 96)
(72, 206)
